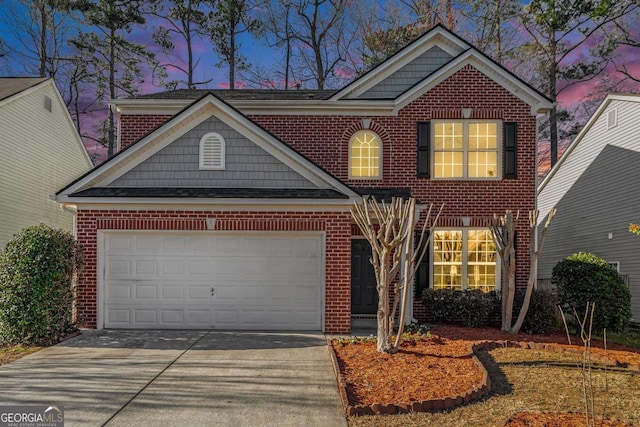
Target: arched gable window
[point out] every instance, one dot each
(365, 155)
(212, 148)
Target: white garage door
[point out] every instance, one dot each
(205, 280)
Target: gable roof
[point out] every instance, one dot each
(599, 143)
(207, 106)
(347, 100)
(10, 86)
(463, 53)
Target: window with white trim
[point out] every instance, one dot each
(466, 149)
(465, 259)
(365, 155)
(212, 151)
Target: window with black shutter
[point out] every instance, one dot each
(424, 149)
(510, 150)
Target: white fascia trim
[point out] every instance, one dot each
(141, 151)
(70, 123)
(485, 66)
(245, 205)
(280, 151)
(101, 174)
(438, 37)
(265, 107)
(152, 107)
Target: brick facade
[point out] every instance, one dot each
(324, 140)
(335, 225)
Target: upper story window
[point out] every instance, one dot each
(365, 155)
(212, 151)
(466, 149)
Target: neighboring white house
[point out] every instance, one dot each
(596, 188)
(40, 152)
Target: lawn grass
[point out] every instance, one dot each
(11, 353)
(629, 338)
(530, 380)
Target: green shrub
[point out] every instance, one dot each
(37, 268)
(469, 308)
(541, 316)
(583, 278)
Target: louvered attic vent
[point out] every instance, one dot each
(612, 118)
(212, 151)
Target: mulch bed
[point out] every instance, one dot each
(443, 366)
(373, 377)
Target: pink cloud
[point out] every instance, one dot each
(344, 73)
(239, 85)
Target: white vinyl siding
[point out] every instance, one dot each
(41, 153)
(593, 190)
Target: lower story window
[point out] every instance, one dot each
(465, 259)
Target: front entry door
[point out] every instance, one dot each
(364, 296)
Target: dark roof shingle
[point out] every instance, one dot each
(212, 193)
(241, 95)
(10, 86)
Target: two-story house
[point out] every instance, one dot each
(230, 209)
(40, 151)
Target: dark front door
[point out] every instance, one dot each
(364, 296)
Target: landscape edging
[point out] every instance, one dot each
(431, 405)
(450, 402)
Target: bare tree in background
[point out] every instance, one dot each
(558, 30)
(114, 64)
(324, 35)
(227, 20)
(183, 19)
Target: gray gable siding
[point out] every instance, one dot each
(409, 75)
(247, 165)
(594, 216)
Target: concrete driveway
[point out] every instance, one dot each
(181, 378)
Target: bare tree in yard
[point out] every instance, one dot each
(390, 229)
(503, 231)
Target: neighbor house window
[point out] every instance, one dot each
(212, 151)
(365, 155)
(465, 259)
(466, 149)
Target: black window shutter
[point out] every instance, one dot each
(510, 150)
(424, 149)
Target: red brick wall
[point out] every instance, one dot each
(336, 225)
(324, 140)
(132, 128)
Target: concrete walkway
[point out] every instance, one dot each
(181, 378)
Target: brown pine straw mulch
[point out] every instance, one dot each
(442, 365)
(620, 353)
(373, 377)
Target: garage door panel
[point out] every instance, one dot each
(119, 291)
(172, 292)
(172, 317)
(149, 291)
(164, 280)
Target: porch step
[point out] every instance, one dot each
(363, 325)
